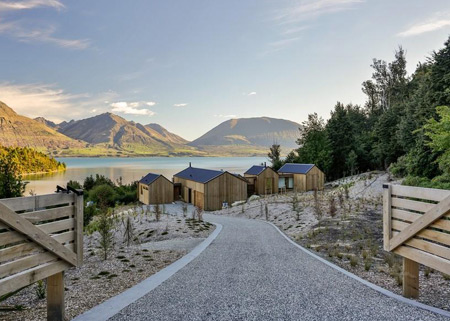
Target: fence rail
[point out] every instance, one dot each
(40, 237)
(416, 225)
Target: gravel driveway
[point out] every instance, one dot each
(250, 272)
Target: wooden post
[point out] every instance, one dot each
(410, 278)
(55, 297)
(79, 209)
(387, 215)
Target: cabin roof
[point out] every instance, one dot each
(200, 175)
(255, 170)
(149, 178)
(291, 168)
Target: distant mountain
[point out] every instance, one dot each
(259, 132)
(21, 131)
(46, 122)
(171, 137)
(112, 131)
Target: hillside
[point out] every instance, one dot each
(21, 131)
(254, 133)
(114, 132)
(165, 134)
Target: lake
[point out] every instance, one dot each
(132, 169)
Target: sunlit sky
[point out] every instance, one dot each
(189, 65)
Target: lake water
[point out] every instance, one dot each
(132, 169)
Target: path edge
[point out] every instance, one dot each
(115, 304)
(375, 287)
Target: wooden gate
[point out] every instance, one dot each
(40, 237)
(416, 225)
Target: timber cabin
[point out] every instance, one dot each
(155, 189)
(300, 177)
(262, 180)
(209, 189)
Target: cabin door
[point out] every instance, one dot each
(269, 185)
(190, 195)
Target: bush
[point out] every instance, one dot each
(103, 196)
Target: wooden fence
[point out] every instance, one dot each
(416, 225)
(40, 237)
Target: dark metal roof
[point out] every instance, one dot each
(291, 168)
(200, 175)
(255, 170)
(149, 178)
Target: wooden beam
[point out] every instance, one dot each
(36, 235)
(387, 212)
(55, 297)
(428, 218)
(410, 278)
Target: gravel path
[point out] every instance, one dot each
(250, 272)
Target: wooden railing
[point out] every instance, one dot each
(416, 225)
(40, 237)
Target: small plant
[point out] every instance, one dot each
(185, 208)
(266, 210)
(105, 226)
(332, 206)
(40, 289)
(243, 208)
(157, 210)
(367, 265)
(129, 231)
(354, 261)
(446, 276)
(427, 271)
(346, 192)
(199, 213)
(317, 210)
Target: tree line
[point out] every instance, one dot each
(27, 160)
(404, 126)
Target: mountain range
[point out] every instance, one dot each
(111, 135)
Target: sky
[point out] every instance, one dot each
(190, 65)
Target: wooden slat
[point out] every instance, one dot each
(36, 234)
(49, 214)
(431, 194)
(20, 250)
(432, 235)
(30, 276)
(25, 263)
(387, 212)
(422, 257)
(421, 223)
(424, 245)
(443, 224)
(412, 205)
(37, 202)
(49, 228)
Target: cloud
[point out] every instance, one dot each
(311, 9)
(150, 103)
(424, 27)
(180, 105)
(43, 35)
(225, 116)
(130, 108)
(34, 100)
(30, 4)
(283, 43)
(253, 93)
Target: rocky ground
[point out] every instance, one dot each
(344, 225)
(152, 246)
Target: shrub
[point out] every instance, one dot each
(103, 196)
(332, 206)
(157, 210)
(105, 226)
(129, 231)
(353, 261)
(40, 289)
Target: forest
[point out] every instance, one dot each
(27, 160)
(403, 127)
